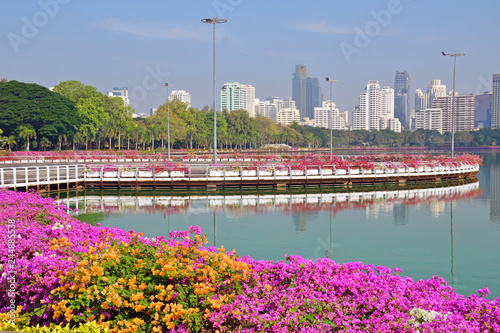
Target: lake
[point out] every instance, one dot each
(451, 230)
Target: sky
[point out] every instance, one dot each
(144, 44)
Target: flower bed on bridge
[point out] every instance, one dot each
(369, 163)
(68, 272)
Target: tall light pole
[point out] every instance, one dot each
(214, 21)
(166, 85)
(453, 102)
(331, 111)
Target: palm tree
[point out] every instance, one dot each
(27, 133)
(62, 138)
(9, 141)
(45, 143)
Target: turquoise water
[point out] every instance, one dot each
(452, 231)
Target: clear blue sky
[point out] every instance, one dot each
(123, 43)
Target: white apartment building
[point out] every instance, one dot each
(265, 109)
(429, 119)
(287, 116)
(250, 99)
(463, 110)
(121, 92)
(435, 89)
(369, 107)
(324, 113)
(235, 96)
(180, 95)
(373, 104)
(390, 123)
(387, 101)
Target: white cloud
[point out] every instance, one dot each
(150, 29)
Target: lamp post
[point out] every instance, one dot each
(166, 85)
(214, 21)
(454, 55)
(327, 79)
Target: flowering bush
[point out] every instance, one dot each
(70, 272)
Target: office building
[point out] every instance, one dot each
(121, 92)
(306, 92)
(429, 119)
(482, 114)
(401, 97)
(495, 102)
(180, 95)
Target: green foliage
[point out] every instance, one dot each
(90, 327)
(31, 105)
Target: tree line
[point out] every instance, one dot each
(77, 116)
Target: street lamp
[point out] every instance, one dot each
(214, 21)
(331, 111)
(166, 85)
(454, 55)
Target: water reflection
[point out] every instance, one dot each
(297, 205)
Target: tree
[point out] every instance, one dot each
(47, 113)
(9, 141)
(26, 133)
(92, 115)
(240, 125)
(44, 143)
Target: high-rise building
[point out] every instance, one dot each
(482, 114)
(288, 102)
(121, 92)
(233, 96)
(306, 92)
(180, 95)
(495, 102)
(420, 100)
(265, 109)
(277, 102)
(387, 102)
(435, 89)
(429, 119)
(322, 116)
(463, 111)
(401, 97)
(250, 99)
(369, 107)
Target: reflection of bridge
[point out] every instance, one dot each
(252, 204)
(57, 177)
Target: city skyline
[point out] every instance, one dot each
(142, 46)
